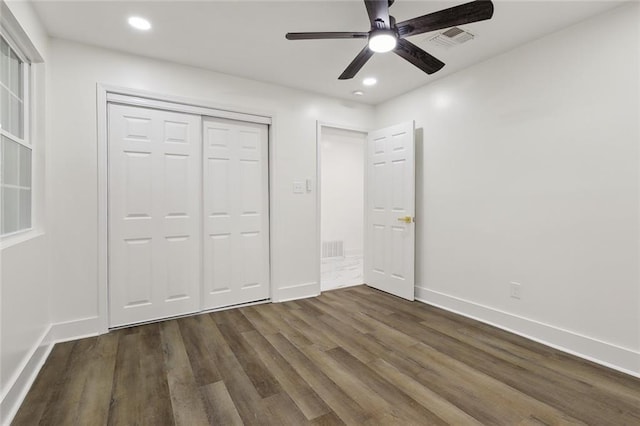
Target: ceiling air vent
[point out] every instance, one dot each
(451, 37)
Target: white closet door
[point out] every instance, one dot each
(236, 209)
(154, 214)
(390, 227)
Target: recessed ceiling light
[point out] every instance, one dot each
(357, 93)
(139, 23)
(369, 81)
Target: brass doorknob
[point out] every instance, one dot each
(406, 219)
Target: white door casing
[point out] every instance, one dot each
(154, 214)
(236, 212)
(390, 200)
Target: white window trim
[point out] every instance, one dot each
(25, 141)
(26, 86)
(26, 51)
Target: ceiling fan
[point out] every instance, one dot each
(387, 35)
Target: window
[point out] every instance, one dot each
(15, 146)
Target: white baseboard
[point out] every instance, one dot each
(353, 253)
(73, 330)
(27, 373)
(298, 291)
(24, 377)
(337, 287)
(607, 354)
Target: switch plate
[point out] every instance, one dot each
(515, 290)
(298, 187)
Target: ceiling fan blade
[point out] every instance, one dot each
(355, 65)
(325, 35)
(378, 10)
(417, 56)
(474, 11)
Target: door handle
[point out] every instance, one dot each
(406, 219)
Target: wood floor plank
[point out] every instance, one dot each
(311, 405)
(126, 379)
(185, 399)
(274, 315)
(140, 389)
(412, 411)
(350, 384)
(96, 393)
(243, 393)
(302, 323)
(345, 335)
(46, 387)
(354, 356)
(336, 309)
(357, 303)
(253, 316)
(202, 360)
(235, 318)
(61, 409)
(281, 410)
(359, 345)
(219, 406)
(329, 419)
(425, 396)
(87, 385)
(334, 396)
(263, 381)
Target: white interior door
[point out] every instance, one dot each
(390, 209)
(236, 212)
(154, 214)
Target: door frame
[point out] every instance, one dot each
(108, 93)
(319, 126)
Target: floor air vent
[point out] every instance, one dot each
(332, 249)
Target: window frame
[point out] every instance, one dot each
(25, 141)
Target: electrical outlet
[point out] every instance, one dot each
(515, 290)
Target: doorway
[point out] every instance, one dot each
(341, 154)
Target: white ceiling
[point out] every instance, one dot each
(246, 38)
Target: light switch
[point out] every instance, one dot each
(309, 185)
(298, 187)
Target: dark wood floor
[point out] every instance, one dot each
(354, 356)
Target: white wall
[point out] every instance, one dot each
(24, 283)
(528, 172)
(342, 188)
(76, 69)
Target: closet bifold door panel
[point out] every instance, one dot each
(236, 208)
(154, 243)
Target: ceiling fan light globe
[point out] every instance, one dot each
(382, 42)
